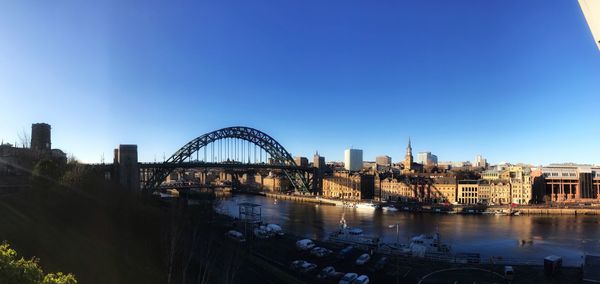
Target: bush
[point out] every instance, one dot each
(21, 271)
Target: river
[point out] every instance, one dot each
(531, 237)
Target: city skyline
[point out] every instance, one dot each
(315, 77)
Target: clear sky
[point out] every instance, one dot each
(516, 81)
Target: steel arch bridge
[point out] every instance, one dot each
(280, 158)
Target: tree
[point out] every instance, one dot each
(24, 139)
(47, 172)
(21, 271)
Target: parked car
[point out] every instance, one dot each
(345, 252)
(302, 266)
(236, 236)
(326, 272)
(364, 258)
(275, 229)
(320, 252)
(305, 244)
(380, 264)
(363, 279)
(348, 278)
(261, 233)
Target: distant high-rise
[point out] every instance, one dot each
(318, 161)
(353, 159)
(383, 160)
(427, 159)
(40, 137)
(480, 162)
(301, 161)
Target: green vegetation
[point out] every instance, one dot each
(21, 271)
(72, 220)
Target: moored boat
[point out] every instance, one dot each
(353, 236)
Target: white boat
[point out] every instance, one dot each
(389, 208)
(353, 236)
(422, 245)
(362, 205)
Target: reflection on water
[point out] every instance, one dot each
(529, 237)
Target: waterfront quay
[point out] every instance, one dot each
(448, 208)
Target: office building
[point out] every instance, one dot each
(427, 159)
(480, 162)
(383, 160)
(318, 161)
(353, 159)
(301, 161)
(570, 183)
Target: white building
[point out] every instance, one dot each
(480, 162)
(427, 159)
(353, 159)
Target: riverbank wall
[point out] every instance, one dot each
(559, 211)
(300, 198)
(457, 210)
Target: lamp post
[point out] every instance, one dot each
(397, 225)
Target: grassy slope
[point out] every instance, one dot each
(102, 237)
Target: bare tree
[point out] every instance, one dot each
(173, 236)
(24, 138)
(231, 265)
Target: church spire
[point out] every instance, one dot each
(408, 159)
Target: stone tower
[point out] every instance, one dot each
(408, 158)
(40, 138)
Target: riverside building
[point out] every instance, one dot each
(346, 185)
(570, 183)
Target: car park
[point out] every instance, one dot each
(320, 252)
(336, 276)
(275, 229)
(261, 233)
(236, 236)
(326, 272)
(345, 252)
(305, 244)
(380, 264)
(363, 279)
(363, 259)
(348, 278)
(302, 266)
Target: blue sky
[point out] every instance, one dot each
(516, 81)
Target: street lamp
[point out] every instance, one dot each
(397, 225)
